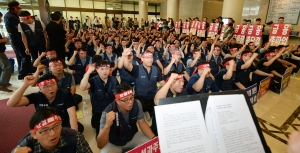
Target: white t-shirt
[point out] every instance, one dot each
(32, 26)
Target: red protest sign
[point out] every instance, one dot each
(240, 33)
(186, 27)
(201, 28)
(264, 87)
(177, 27)
(194, 27)
(279, 34)
(254, 33)
(213, 29)
(222, 32)
(150, 146)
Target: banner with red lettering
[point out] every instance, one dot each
(201, 28)
(240, 33)
(222, 32)
(194, 27)
(186, 27)
(279, 34)
(151, 146)
(254, 33)
(177, 27)
(213, 30)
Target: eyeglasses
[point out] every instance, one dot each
(127, 100)
(48, 86)
(47, 131)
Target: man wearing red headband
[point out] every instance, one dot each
(156, 61)
(118, 124)
(78, 62)
(201, 81)
(214, 58)
(100, 88)
(33, 33)
(50, 54)
(235, 53)
(244, 67)
(176, 65)
(192, 62)
(108, 55)
(72, 45)
(168, 51)
(126, 77)
(11, 23)
(48, 135)
(172, 88)
(146, 77)
(226, 77)
(48, 95)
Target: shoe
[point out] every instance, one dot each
(5, 89)
(9, 84)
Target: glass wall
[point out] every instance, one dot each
(83, 8)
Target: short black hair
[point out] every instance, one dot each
(55, 60)
(258, 19)
(58, 12)
(46, 77)
(281, 17)
(96, 58)
(200, 62)
(174, 71)
(1, 14)
(121, 88)
(227, 59)
(41, 114)
(102, 62)
(13, 3)
(54, 17)
(24, 13)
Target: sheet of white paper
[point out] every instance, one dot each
(234, 125)
(181, 128)
(212, 133)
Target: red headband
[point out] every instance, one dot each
(24, 17)
(45, 82)
(147, 55)
(124, 94)
(150, 47)
(176, 52)
(196, 52)
(48, 121)
(57, 62)
(49, 52)
(232, 49)
(245, 54)
(270, 54)
(179, 77)
(227, 63)
(81, 52)
(105, 65)
(250, 43)
(216, 47)
(202, 66)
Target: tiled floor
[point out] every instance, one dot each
(279, 112)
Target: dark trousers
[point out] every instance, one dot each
(148, 105)
(60, 50)
(35, 51)
(77, 99)
(95, 122)
(24, 60)
(77, 78)
(67, 124)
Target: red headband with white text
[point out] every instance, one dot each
(48, 121)
(124, 94)
(45, 82)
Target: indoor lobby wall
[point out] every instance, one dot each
(187, 8)
(212, 9)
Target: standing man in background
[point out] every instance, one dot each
(5, 67)
(11, 23)
(57, 35)
(33, 33)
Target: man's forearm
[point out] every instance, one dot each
(17, 95)
(84, 82)
(103, 137)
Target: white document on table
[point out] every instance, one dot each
(233, 125)
(181, 128)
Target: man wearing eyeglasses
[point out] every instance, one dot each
(118, 128)
(48, 95)
(11, 23)
(48, 135)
